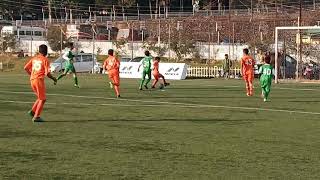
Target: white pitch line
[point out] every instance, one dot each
(298, 89)
(294, 89)
(212, 85)
(92, 104)
(170, 104)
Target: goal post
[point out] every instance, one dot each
(297, 30)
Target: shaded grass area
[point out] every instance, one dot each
(97, 137)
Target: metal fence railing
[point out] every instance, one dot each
(210, 72)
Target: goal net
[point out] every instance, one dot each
(297, 53)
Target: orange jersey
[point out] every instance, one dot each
(247, 65)
(111, 64)
(38, 67)
(156, 67)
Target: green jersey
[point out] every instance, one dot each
(146, 63)
(68, 56)
(266, 72)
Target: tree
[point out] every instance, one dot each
(159, 50)
(120, 46)
(182, 48)
(56, 38)
(7, 43)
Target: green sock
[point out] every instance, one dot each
(147, 82)
(141, 83)
(75, 80)
(266, 94)
(60, 76)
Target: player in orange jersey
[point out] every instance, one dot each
(156, 74)
(38, 67)
(112, 65)
(247, 71)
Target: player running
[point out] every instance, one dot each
(146, 62)
(247, 71)
(266, 72)
(156, 74)
(112, 65)
(38, 67)
(68, 55)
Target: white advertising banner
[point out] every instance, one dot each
(175, 71)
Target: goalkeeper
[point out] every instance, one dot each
(68, 56)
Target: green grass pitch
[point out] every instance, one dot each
(195, 129)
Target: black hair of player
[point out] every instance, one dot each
(110, 52)
(70, 45)
(267, 59)
(157, 59)
(43, 49)
(246, 51)
(147, 53)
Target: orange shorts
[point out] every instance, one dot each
(156, 75)
(115, 78)
(248, 77)
(39, 88)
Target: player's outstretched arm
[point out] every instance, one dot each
(140, 64)
(105, 65)
(242, 66)
(65, 55)
(28, 67)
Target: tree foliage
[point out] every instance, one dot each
(120, 46)
(7, 43)
(153, 46)
(54, 37)
(182, 48)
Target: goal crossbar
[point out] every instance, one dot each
(276, 43)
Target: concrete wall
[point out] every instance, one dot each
(206, 51)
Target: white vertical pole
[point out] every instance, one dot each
(132, 40)
(159, 33)
(66, 14)
(138, 11)
(276, 56)
(169, 41)
(298, 50)
(114, 13)
(49, 7)
(233, 41)
(93, 44)
(71, 16)
(89, 13)
(61, 40)
(150, 8)
(123, 16)
(42, 14)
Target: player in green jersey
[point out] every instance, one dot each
(146, 62)
(266, 72)
(68, 56)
